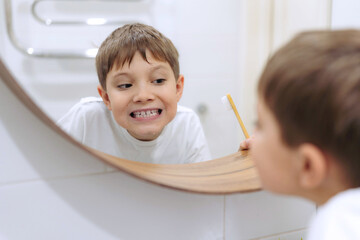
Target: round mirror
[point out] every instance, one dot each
(52, 48)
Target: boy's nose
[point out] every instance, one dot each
(143, 94)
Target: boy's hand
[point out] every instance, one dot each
(245, 145)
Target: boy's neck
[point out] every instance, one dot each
(336, 181)
(322, 196)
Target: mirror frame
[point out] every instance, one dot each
(234, 173)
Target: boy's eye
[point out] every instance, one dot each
(158, 81)
(126, 85)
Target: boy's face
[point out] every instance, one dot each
(143, 96)
(276, 162)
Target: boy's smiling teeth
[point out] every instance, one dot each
(146, 113)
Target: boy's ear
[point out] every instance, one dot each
(313, 166)
(105, 97)
(179, 87)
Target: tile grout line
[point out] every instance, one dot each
(224, 217)
(280, 233)
(53, 178)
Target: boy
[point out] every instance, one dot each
(137, 116)
(307, 141)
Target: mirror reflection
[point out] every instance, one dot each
(50, 46)
(209, 58)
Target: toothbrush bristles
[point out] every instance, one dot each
(226, 102)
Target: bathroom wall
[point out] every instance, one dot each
(50, 189)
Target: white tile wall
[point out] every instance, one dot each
(106, 206)
(260, 214)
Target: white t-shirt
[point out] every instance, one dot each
(338, 219)
(181, 141)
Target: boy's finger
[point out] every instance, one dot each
(244, 145)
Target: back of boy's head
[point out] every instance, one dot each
(312, 86)
(122, 44)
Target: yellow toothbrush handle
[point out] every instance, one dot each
(237, 116)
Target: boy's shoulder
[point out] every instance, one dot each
(185, 115)
(89, 100)
(182, 109)
(338, 218)
(86, 109)
(345, 200)
(88, 106)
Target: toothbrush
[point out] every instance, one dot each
(229, 103)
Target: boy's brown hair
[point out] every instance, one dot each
(122, 44)
(312, 86)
